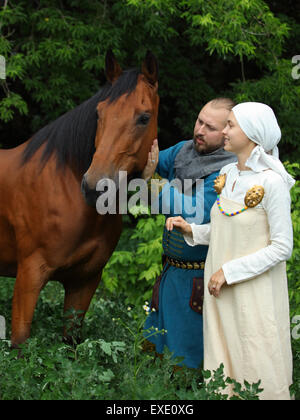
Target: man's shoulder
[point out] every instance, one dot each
(176, 147)
(167, 158)
(211, 177)
(169, 154)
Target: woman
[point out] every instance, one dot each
(246, 305)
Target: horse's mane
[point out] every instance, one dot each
(72, 136)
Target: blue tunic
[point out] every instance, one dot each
(184, 326)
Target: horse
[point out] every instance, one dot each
(49, 226)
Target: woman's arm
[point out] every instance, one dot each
(192, 233)
(200, 235)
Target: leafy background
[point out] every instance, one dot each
(54, 53)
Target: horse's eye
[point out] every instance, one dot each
(143, 119)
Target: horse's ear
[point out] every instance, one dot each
(112, 67)
(150, 68)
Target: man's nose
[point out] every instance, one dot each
(200, 129)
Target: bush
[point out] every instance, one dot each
(108, 364)
(136, 262)
(293, 272)
(55, 57)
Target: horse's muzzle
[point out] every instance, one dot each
(90, 194)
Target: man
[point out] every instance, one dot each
(178, 293)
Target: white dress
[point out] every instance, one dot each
(247, 328)
(276, 203)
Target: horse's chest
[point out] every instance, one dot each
(93, 251)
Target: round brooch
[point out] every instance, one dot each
(219, 183)
(252, 198)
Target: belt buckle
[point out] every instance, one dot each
(186, 264)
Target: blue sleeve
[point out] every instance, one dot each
(193, 207)
(165, 167)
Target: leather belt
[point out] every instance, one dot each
(188, 265)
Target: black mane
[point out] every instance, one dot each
(72, 135)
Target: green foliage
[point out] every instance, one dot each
(136, 262)
(238, 27)
(218, 385)
(293, 272)
(279, 90)
(109, 364)
(13, 100)
(55, 58)
(293, 265)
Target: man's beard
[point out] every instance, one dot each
(205, 149)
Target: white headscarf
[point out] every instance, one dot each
(260, 125)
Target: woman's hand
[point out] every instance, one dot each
(151, 162)
(216, 282)
(180, 224)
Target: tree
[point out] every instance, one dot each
(55, 51)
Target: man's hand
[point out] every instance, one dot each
(216, 282)
(180, 224)
(152, 161)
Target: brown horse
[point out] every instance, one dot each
(49, 226)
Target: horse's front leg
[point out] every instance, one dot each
(78, 296)
(32, 276)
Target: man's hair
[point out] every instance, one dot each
(226, 103)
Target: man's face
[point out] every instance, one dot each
(208, 129)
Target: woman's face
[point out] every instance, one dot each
(236, 140)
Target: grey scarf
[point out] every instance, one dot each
(189, 164)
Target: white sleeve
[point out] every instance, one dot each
(200, 235)
(277, 204)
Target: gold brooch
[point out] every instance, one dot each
(219, 183)
(254, 196)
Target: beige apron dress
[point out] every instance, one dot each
(247, 328)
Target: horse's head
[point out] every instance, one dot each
(127, 125)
